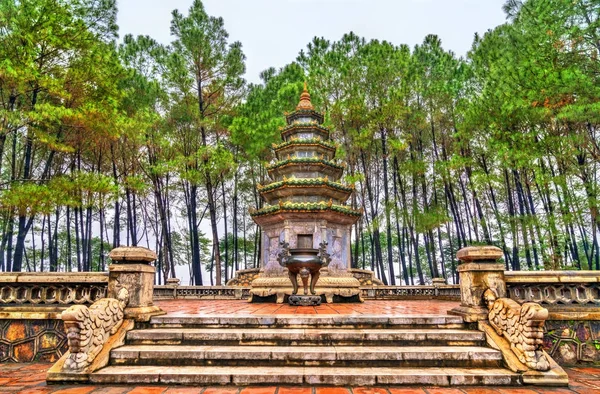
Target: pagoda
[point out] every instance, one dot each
(305, 206)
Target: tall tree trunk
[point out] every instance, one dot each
(400, 235)
(386, 196)
(195, 239)
(117, 216)
(375, 222)
(522, 217)
(516, 264)
(69, 246)
(78, 240)
(235, 225)
(226, 262)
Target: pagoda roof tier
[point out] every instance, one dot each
(304, 160)
(304, 142)
(292, 146)
(294, 169)
(303, 113)
(305, 187)
(304, 127)
(305, 164)
(333, 213)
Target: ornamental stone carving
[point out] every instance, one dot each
(88, 329)
(522, 326)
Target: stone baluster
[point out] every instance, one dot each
(93, 331)
(131, 269)
(479, 271)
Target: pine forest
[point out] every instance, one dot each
(109, 140)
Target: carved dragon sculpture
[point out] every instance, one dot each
(323, 255)
(284, 254)
(522, 326)
(88, 329)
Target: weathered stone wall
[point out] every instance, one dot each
(30, 308)
(573, 342)
(572, 333)
(27, 340)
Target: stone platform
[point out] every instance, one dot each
(376, 343)
(242, 307)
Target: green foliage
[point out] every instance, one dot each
(501, 147)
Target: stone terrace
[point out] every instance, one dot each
(30, 378)
(240, 307)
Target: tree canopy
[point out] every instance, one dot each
(107, 142)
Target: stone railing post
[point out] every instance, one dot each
(131, 269)
(479, 270)
(92, 332)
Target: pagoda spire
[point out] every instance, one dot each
(305, 103)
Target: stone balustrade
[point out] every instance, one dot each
(555, 290)
(35, 288)
(169, 292)
(569, 301)
(441, 292)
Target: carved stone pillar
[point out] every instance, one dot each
(131, 269)
(287, 236)
(479, 270)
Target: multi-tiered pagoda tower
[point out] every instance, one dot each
(304, 206)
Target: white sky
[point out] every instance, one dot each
(273, 32)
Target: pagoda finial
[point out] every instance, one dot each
(305, 100)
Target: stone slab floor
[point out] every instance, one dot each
(30, 378)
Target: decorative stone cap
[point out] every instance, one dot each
(478, 253)
(132, 254)
(174, 281)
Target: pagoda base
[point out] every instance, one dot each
(345, 287)
(304, 300)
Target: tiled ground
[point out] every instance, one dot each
(30, 378)
(241, 307)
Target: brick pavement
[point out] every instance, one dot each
(370, 307)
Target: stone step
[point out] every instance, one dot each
(257, 375)
(339, 356)
(308, 321)
(304, 336)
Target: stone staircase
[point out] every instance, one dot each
(306, 350)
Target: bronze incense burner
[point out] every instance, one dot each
(304, 262)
